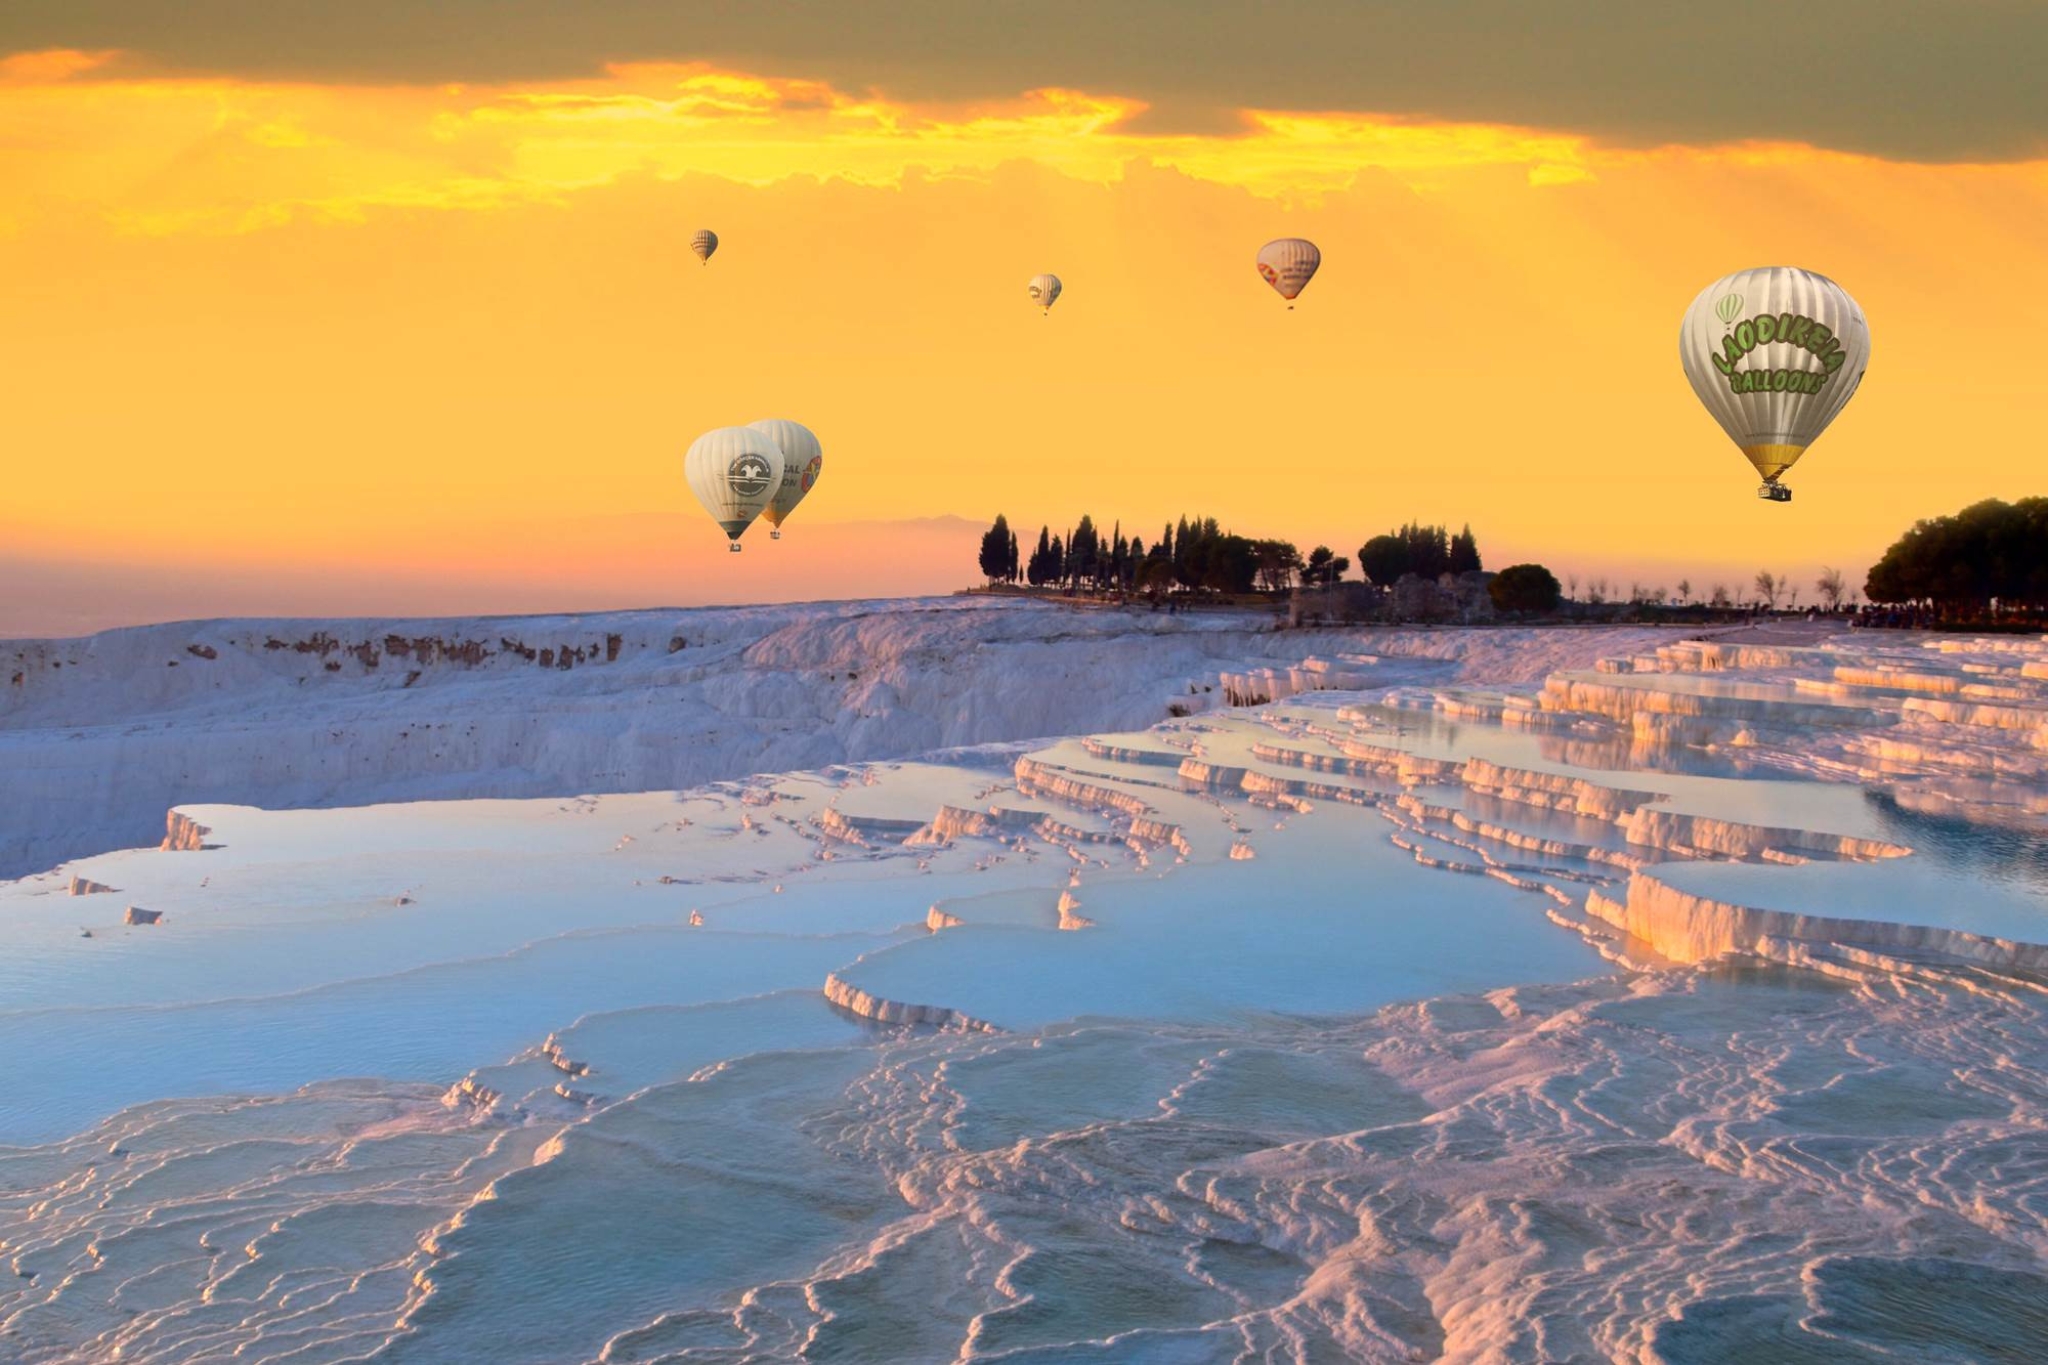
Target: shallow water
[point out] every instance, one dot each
(1329, 918)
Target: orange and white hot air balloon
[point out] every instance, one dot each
(803, 458)
(1044, 291)
(1288, 264)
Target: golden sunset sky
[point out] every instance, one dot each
(408, 322)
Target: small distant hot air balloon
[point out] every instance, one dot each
(1044, 291)
(802, 459)
(1774, 353)
(734, 471)
(704, 241)
(1288, 264)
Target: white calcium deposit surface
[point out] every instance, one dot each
(1480, 995)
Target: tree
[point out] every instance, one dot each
(1831, 587)
(1231, 565)
(1720, 597)
(1767, 589)
(1596, 591)
(1038, 572)
(1991, 552)
(1684, 591)
(1525, 588)
(1464, 552)
(1012, 575)
(995, 551)
(1083, 545)
(1277, 559)
(1384, 559)
(1183, 554)
(1429, 549)
(1321, 567)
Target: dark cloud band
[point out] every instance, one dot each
(1931, 80)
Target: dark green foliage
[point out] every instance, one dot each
(999, 552)
(1039, 570)
(1197, 554)
(1384, 559)
(1525, 588)
(1230, 565)
(1991, 551)
(1322, 568)
(1430, 551)
(1278, 560)
(1465, 552)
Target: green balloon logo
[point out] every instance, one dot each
(1729, 308)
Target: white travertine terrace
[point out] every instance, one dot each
(1686, 927)
(1430, 1077)
(857, 1001)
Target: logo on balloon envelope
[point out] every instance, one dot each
(1729, 308)
(810, 474)
(748, 475)
(1785, 329)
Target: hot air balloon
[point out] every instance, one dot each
(734, 471)
(1288, 264)
(802, 458)
(1044, 291)
(704, 241)
(1774, 353)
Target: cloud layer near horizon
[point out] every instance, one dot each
(1902, 79)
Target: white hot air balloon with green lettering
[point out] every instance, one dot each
(802, 460)
(1288, 264)
(1044, 291)
(1774, 353)
(735, 472)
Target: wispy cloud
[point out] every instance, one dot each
(1901, 79)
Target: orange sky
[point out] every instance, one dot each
(445, 338)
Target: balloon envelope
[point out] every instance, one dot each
(802, 459)
(734, 471)
(1044, 290)
(1774, 353)
(704, 241)
(1289, 264)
